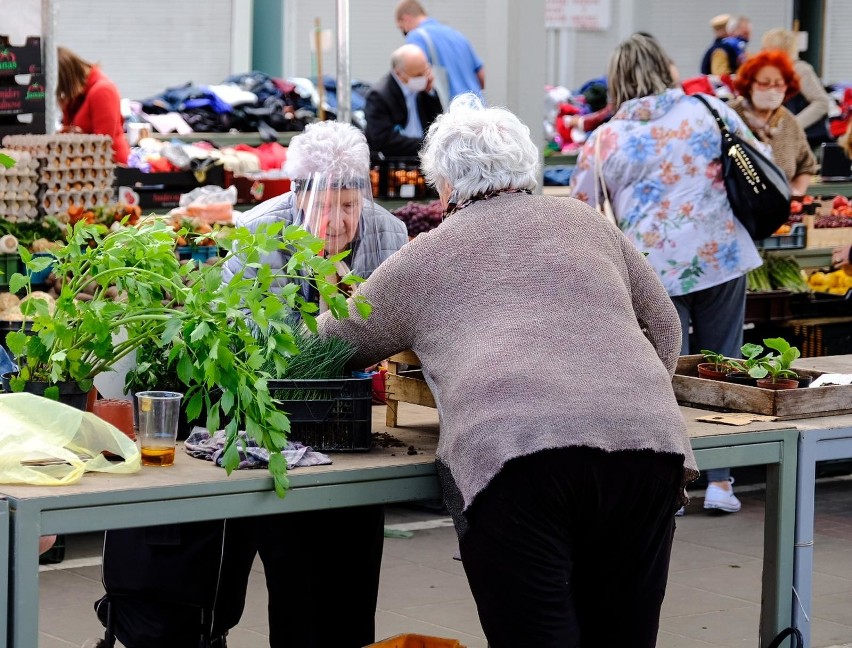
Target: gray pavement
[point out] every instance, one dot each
(713, 596)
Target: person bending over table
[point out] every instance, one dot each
(561, 467)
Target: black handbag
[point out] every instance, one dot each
(757, 189)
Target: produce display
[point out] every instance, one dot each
(19, 187)
(72, 169)
(420, 217)
(777, 273)
(835, 283)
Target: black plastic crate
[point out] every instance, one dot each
(795, 240)
(328, 415)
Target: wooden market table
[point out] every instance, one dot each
(820, 439)
(194, 490)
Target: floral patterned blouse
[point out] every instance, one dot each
(660, 161)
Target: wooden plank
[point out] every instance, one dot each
(410, 390)
(406, 357)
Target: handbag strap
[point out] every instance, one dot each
(798, 641)
(432, 53)
(599, 179)
(726, 133)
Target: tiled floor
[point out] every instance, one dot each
(713, 597)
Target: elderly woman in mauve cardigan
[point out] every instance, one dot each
(549, 344)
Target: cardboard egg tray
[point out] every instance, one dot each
(19, 187)
(72, 169)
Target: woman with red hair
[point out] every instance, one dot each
(763, 83)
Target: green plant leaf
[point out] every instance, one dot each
(193, 407)
(17, 282)
(364, 308)
(52, 392)
(6, 161)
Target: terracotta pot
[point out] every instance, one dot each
(780, 383)
(741, 378)
(706, 370)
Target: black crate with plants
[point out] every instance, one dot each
(328, 409)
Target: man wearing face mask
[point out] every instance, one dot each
(401, 105)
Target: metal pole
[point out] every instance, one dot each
(344, 83)
(48, 48)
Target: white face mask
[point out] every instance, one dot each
(417, 84)
(767, 99)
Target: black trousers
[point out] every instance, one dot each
(570, 548)
(322, 575)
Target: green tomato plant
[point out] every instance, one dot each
(208, 329)
(776, 366)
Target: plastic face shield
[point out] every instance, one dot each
(341, 213)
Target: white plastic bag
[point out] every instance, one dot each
(46, 443)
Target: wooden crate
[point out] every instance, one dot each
(723, 396)
(825, 237)
(405, 388)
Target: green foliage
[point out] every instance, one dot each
(779, 366)
(203, 329)
(720, 362)
(751, 359)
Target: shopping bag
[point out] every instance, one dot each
(46, 443)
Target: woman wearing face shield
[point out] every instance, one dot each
(764, 82)
(321, 567)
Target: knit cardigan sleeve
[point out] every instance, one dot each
(814, 92)
(393, 292)
(654, 309)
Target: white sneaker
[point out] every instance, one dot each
(680, 512)
(719, 499)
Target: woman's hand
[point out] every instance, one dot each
(840, 258)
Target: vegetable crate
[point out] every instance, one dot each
(784, 404)
(795, 240)
(826, 237)
(9, 265)
(334, 414)
(768, 306)
(416, 641)
(200, 253)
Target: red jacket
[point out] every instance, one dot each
(98, 112)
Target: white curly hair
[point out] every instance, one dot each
(476, 150)
(336, 151)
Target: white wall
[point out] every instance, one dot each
(837, 47)
(147, 46)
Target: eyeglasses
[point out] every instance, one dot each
(766, 85)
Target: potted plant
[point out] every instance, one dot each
(715, 368)
(741, 373)
(208, 327)
(781, 376)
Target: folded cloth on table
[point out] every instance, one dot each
(201, 445)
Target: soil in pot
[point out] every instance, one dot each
(741, 378)
(708, 370)
(780, 383)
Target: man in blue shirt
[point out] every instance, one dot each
(449, 52)
(401, 106)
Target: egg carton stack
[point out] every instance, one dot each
(73, 169)
(19, 187)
